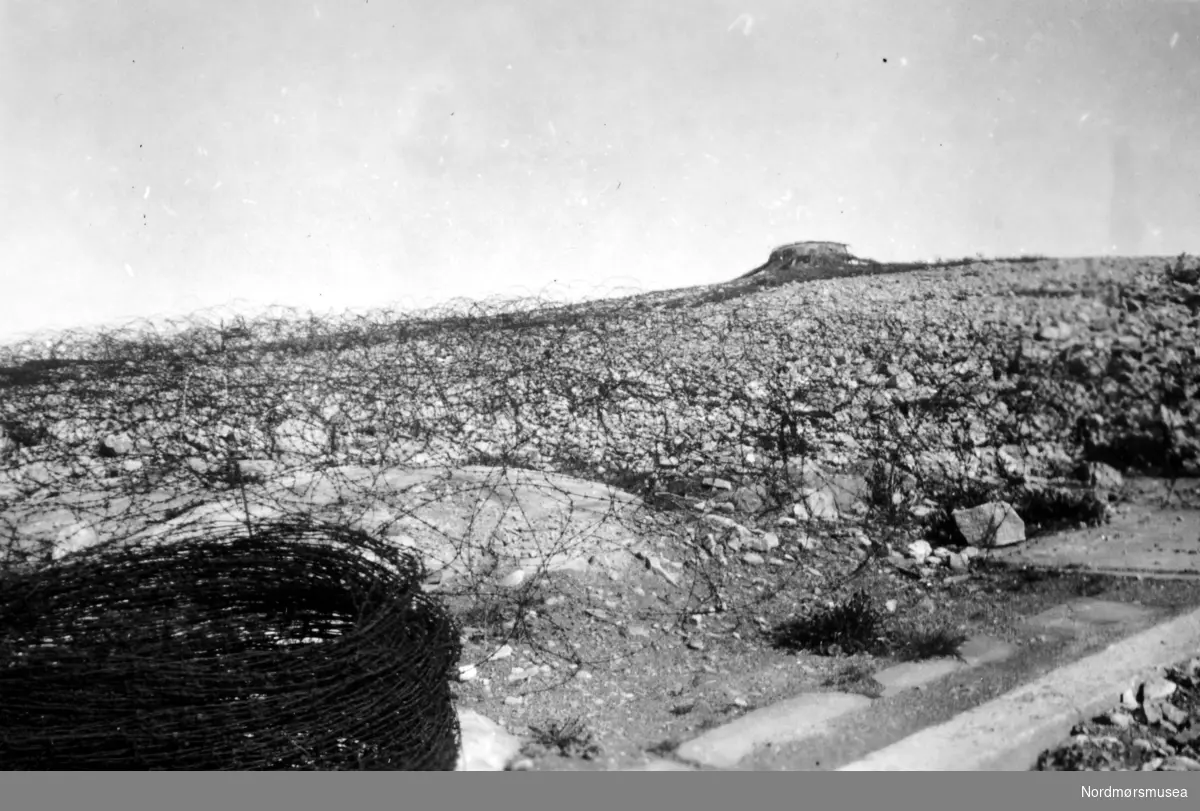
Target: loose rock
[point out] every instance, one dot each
(993, 524)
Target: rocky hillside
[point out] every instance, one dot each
(961, 382)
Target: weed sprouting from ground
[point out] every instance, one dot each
(928, 643)
(570, 738)
(856, 626)
(850, 627)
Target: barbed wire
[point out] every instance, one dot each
(292, 646)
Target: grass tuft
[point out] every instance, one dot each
(850, 627)
(570, 738)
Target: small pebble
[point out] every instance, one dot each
(1174, 714)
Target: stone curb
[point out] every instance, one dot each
(1008, 733)
(807, 715)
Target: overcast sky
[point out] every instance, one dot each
(163, 157)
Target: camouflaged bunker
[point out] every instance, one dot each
(796, 254)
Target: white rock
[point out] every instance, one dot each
(821, 505)
(1157, 688)
(1010, 464)
(117, 444)
(486, 746)
(301, 437)
(503, 652)
(919, 551)
(73, 538)
(513, 579)
(1055, 332)
(727, 523)
(993, 524)
(42, 473)
(766, 543)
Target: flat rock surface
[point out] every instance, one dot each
(1143, 541)
(907, 675)
(799, 717)
(983, 649)
(533, 518)
(1159, 534)
(1083, 615)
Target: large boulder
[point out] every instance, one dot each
(992, 524)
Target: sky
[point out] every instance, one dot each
(164, 158)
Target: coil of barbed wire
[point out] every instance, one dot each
(292, 646)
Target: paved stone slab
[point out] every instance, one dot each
(1078, 615)
(1008, 734)
(907, 675)
(1143, 541)
(785, 722)
(983, 649)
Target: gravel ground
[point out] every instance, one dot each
(649, 685)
